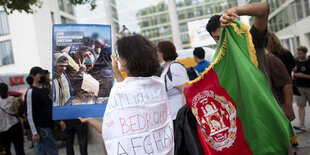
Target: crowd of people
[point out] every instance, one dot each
(143, 94)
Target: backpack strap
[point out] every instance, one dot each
(15, 115)
(169, 74)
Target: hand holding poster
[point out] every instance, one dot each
(82, 70)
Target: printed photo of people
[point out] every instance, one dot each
(82, 71)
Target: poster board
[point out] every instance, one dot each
(198, 34)
(82, 70)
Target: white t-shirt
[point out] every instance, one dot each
(7, 121)
(137, 119)
(179, 77)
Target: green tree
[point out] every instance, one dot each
(26, 5)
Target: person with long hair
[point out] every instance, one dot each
(11, 130)
(275, 47)
(137, 119)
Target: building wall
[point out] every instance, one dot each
(31, 37)
(23, 43)
(155, 23)
(289, 19)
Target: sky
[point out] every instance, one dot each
(126, 13)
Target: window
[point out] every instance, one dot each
(299, 9)
(199, 12)
(147, 33)
(70, 7)
(188, 2)
(181, 15)
(298, 41)
(163, 19)
(145, 23)
(4, 25)
(164, 30)
(61, 5)
(154, 21)
(307, 7)
(6, 56)
(184, 39)
(161, 7)
(156, 33)
(219, 8)
(183, 27)
(208, 10)
(285, 18)
(190, 13)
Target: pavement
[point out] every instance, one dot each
(95, 145)
(303, 147)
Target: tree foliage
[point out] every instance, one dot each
(27, 5)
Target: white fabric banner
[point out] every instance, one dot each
(138, 119)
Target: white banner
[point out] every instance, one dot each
(138, 119)
(198, 34)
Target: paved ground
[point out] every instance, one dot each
(303, 147)
(95, 144)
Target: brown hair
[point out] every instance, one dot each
(168, 50)
(274, 44)
(302, 48)
(140, 55)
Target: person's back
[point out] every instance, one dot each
(199, 56)
(275, 47)
(138, 110)
(174, 75)
(137, 119)
(11, 130)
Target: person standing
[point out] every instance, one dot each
(39, 113)
(139, 99)
(11, 130)
(199, 56)
(63, 95)
(174, 75)
(302, 75)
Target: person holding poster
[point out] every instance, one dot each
(137, 119)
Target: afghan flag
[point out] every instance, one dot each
(235, 109)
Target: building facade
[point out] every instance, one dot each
(26, 39)
(155, 22)
(290, 20)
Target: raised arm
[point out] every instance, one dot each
(259, 11)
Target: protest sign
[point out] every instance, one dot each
(82, 71)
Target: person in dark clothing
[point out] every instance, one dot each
(39, 113)
(274, 47)
(280, 64)
(81, 129)
(199, 56)
(302, 75)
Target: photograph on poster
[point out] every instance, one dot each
(82, 71)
